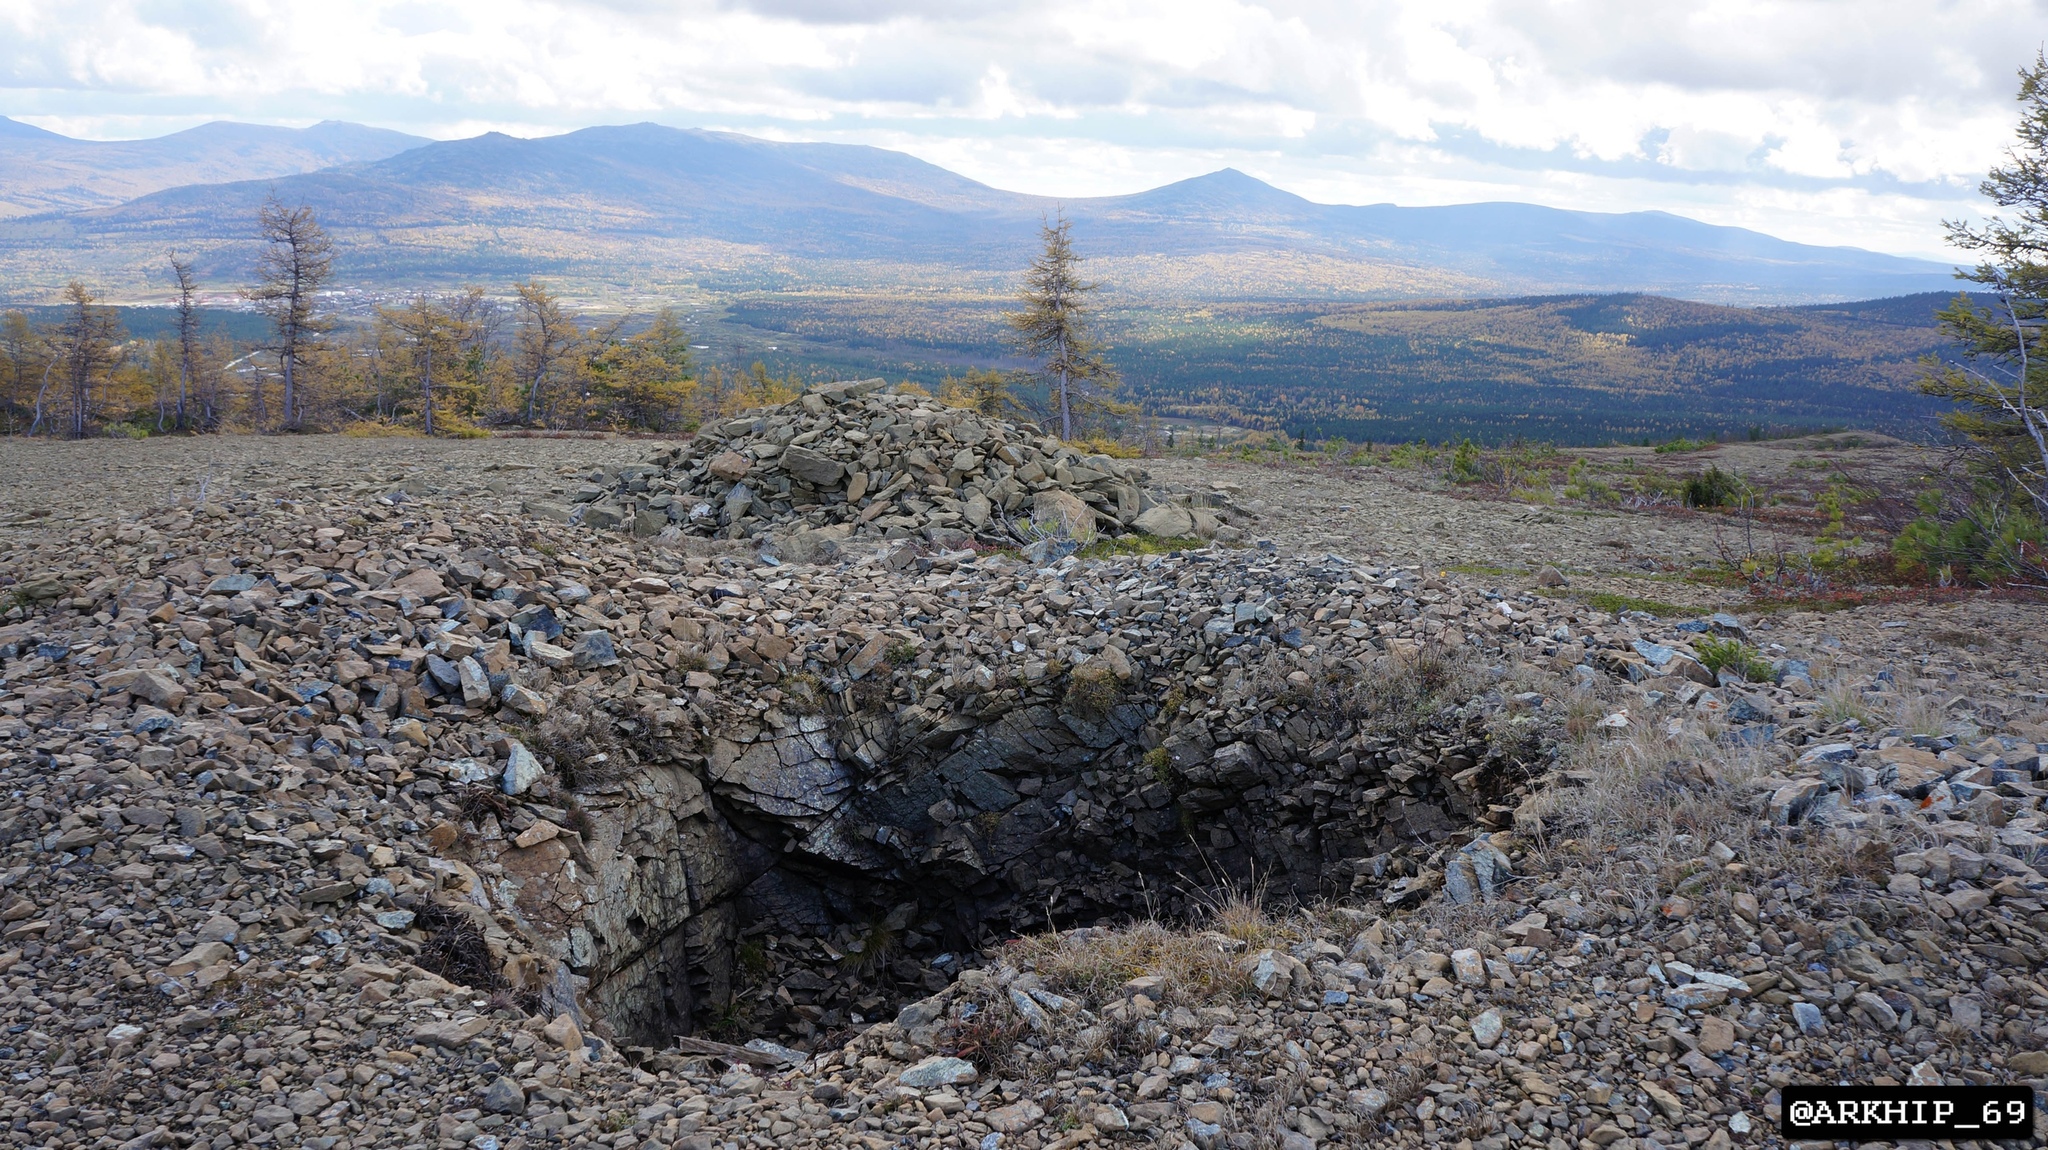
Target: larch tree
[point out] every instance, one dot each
(88, 347)
(983, 391)
(1052, 326)
(188, 336)
(431, 338)
(2001, 379)
(24, 359)
(642, 382)
(297, 258)
(481, 321)
(546, 337)
(1993, 528)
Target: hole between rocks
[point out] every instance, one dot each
(795, 879)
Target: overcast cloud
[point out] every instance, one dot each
(1854, 122)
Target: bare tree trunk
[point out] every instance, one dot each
(2033, 422)
(81, 391)
(187, 335)
(40, 393)
(427, 385)
(298, 260)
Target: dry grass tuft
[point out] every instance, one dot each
(1092, 691)
(579, 735)
(1393, 696)
(1840, 702)
(1198, 964)
(1093, 965)
(1656, 803)
(1918, 713)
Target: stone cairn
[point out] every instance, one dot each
(862, 459)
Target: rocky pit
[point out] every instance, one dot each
(1024, 746)
(921, 751)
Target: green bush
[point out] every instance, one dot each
(1465, 463)
(1712, 488)
(1682, 444)
(1735, 655)
(1987, 539)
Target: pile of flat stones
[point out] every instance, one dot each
(861, 459)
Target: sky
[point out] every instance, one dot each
(1862, 122)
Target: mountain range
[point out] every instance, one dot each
(645, 209)
(42, 171)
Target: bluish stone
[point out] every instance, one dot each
(538, 619)
(595, 649)
(937, 1072)
(1808, 1017)
(522, 770)
(444, 672)
(1743, 709)
(1757, 736)
(1656, 654)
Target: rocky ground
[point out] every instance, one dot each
(254, 894)
(1408, 514)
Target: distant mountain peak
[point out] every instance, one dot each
(1223, 190)
(44, 171)
(15, 129)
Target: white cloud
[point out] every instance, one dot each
(1879, 116)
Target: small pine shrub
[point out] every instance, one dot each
(1712, 488)
(1735, 655)
(1465, 463)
